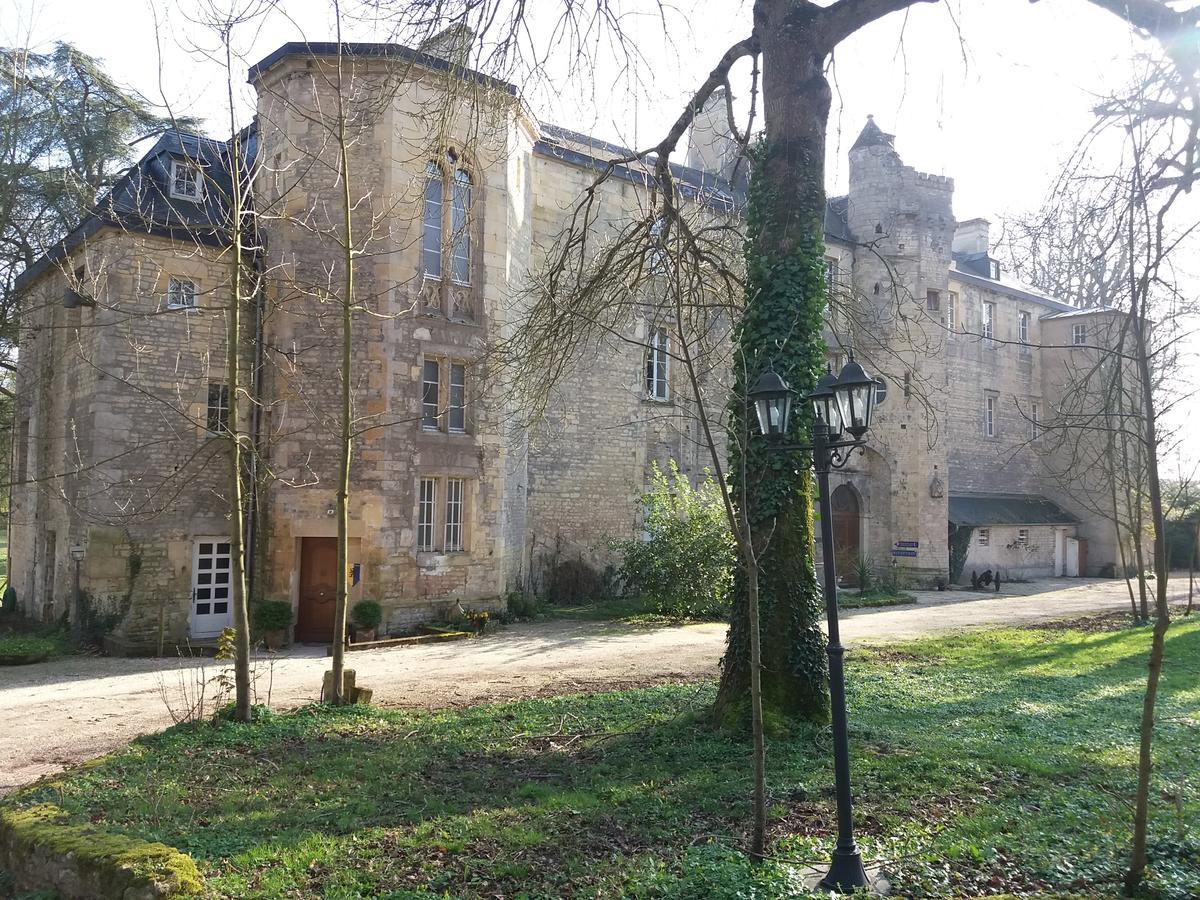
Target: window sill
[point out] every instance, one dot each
(182, 309)
(442, 432)
(432, 559)
(658, 401)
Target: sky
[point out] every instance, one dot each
(994, 94)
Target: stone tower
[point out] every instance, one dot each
(902, 222)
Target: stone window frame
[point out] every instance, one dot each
(933, 300)
(952, 323)
(1079, 334)
(192, 175)
(987, 322)
(1024, 323)
(426, 518)
(216, 413)
(991, 415)
(448, 419)
(983, 537)
(1035, 424)
(182, 293)
(437, 497)
(449, 206)
(656, 367)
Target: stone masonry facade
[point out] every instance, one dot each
(450, 503)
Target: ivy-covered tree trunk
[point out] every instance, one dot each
(781, 329)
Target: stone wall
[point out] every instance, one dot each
(904, 225)
(119, 457)
(402, 118)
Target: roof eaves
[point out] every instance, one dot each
(379, 51)
(1010, 289)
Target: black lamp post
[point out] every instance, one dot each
(842, 402)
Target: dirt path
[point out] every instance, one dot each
(65, 711)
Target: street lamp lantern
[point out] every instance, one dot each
(772, 400)
(856, 397)
(825, 402)
(78, 552)
(844, 401)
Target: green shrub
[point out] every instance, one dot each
(18, 648)
(367, 614)
(685, 566)
(863, 570)
(523, 606)
(272, 615)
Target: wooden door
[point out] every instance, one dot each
(846, 532)
(318, 589)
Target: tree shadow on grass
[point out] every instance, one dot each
(571, 793)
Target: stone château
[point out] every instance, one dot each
(123, 394)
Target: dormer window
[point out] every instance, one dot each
(185, 181)
(994, 269)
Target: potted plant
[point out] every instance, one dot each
(365, 617)
(272, 619)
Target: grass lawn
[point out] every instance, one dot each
(998, 762)
(627, 610)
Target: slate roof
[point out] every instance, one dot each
(1005, 284)
(140, 201)
(872, 136)
(1086, 311)
(589, 152)
(1006, 509)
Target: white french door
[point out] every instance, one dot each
(212, 588)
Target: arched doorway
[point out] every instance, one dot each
(847, 531)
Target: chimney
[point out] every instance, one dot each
(453, 44)
(971, 236)
(710, 143)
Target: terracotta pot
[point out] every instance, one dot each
(276, 639)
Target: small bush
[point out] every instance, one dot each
(863, 571)
(522, 606)
(19, 648)
(685, 567)
(367, 614)
(573, 581)
(272, 615)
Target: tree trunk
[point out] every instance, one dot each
(237, 548)
(1137, 863)
(759, 842)
(346, 437)
(781, 329)
(1192, 569)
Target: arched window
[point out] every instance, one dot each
(446, 244)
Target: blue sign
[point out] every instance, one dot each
(913, 544)
(904, 553)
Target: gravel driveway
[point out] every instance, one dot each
(64, 711)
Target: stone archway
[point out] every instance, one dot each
(847, 531)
